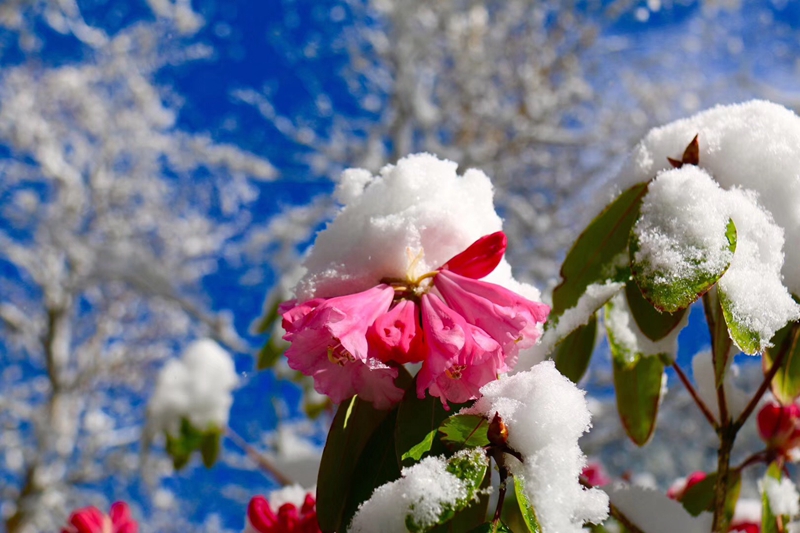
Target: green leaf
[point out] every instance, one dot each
(470, 467)
(417, 451)
(525, 507)
(575, 351)
(376, 466)
(747, 339)
(180, 447)
(638, 391)
(592, 259)
(465, 431)
(786, 383)
(700, 497)
(416, 419)
(474, 513)
(653, 323)
(720, 338)
(210, 447)
(353, 426)
(671, 291)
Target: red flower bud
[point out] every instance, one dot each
(481, 258)
(594, 474)
(779, 426)
(679, 489)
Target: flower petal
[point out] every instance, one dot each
(480, 258)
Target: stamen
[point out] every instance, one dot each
(338, 354)
(454, 372)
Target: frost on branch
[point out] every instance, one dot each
(546, 414)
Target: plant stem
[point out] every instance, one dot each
(693, 393)
(751, 405)
(264, 463)
(727, 435)
(499, 459)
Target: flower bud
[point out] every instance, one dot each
(779, 426)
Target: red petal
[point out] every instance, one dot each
(87, 520)
(481, 258)
(260, 515)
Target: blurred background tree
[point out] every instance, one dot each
(164, 164)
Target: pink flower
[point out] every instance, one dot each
(480, 258)
(329, 343)
(513, 321)
(92, 520)
(397, 335)
(678, 489)
(779, 426)
(462, 357)
(288, 519)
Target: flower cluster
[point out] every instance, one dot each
(288, 518)
(92, 520)
(463, 330)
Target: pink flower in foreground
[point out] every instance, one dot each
(92, 520)
(779, 426)
(329, 343)
(353, 344)
(461, 359)
(288, 518)
(513, 321)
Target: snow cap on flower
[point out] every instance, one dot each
(546, 414)
(92, 520)
(755, 146)
(415, 215)
(197, 387)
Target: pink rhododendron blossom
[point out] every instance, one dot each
(288, 518)
(461, 358)
(513, 321)
(92, 520)
(481, 258)
(397, 335)
(779, 426)
(353, 344)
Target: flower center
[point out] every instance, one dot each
(454, 372)
(338, 354)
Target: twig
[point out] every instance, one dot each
(264, 463)
(696, 397)
(761, 390)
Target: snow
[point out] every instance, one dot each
(294, 494)
(627, 335)
(782, 495)
(197, 386)
(703, 370)
(681, 228)
(408, 220)
(681, 233)
(653, 512)
(546, 414)
(422, 493)
(595, 296)
(755, 146)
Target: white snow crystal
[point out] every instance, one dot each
(755, 146)
(294, 494)
(197, 386)
(782, 495)
(422, 493)
(546, 414)
(415, 215)
(681, 234)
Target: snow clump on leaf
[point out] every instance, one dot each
(546, 414)
(196, 387)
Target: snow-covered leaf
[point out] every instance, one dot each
(525, 507)
(653, 323)
(786, 383)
